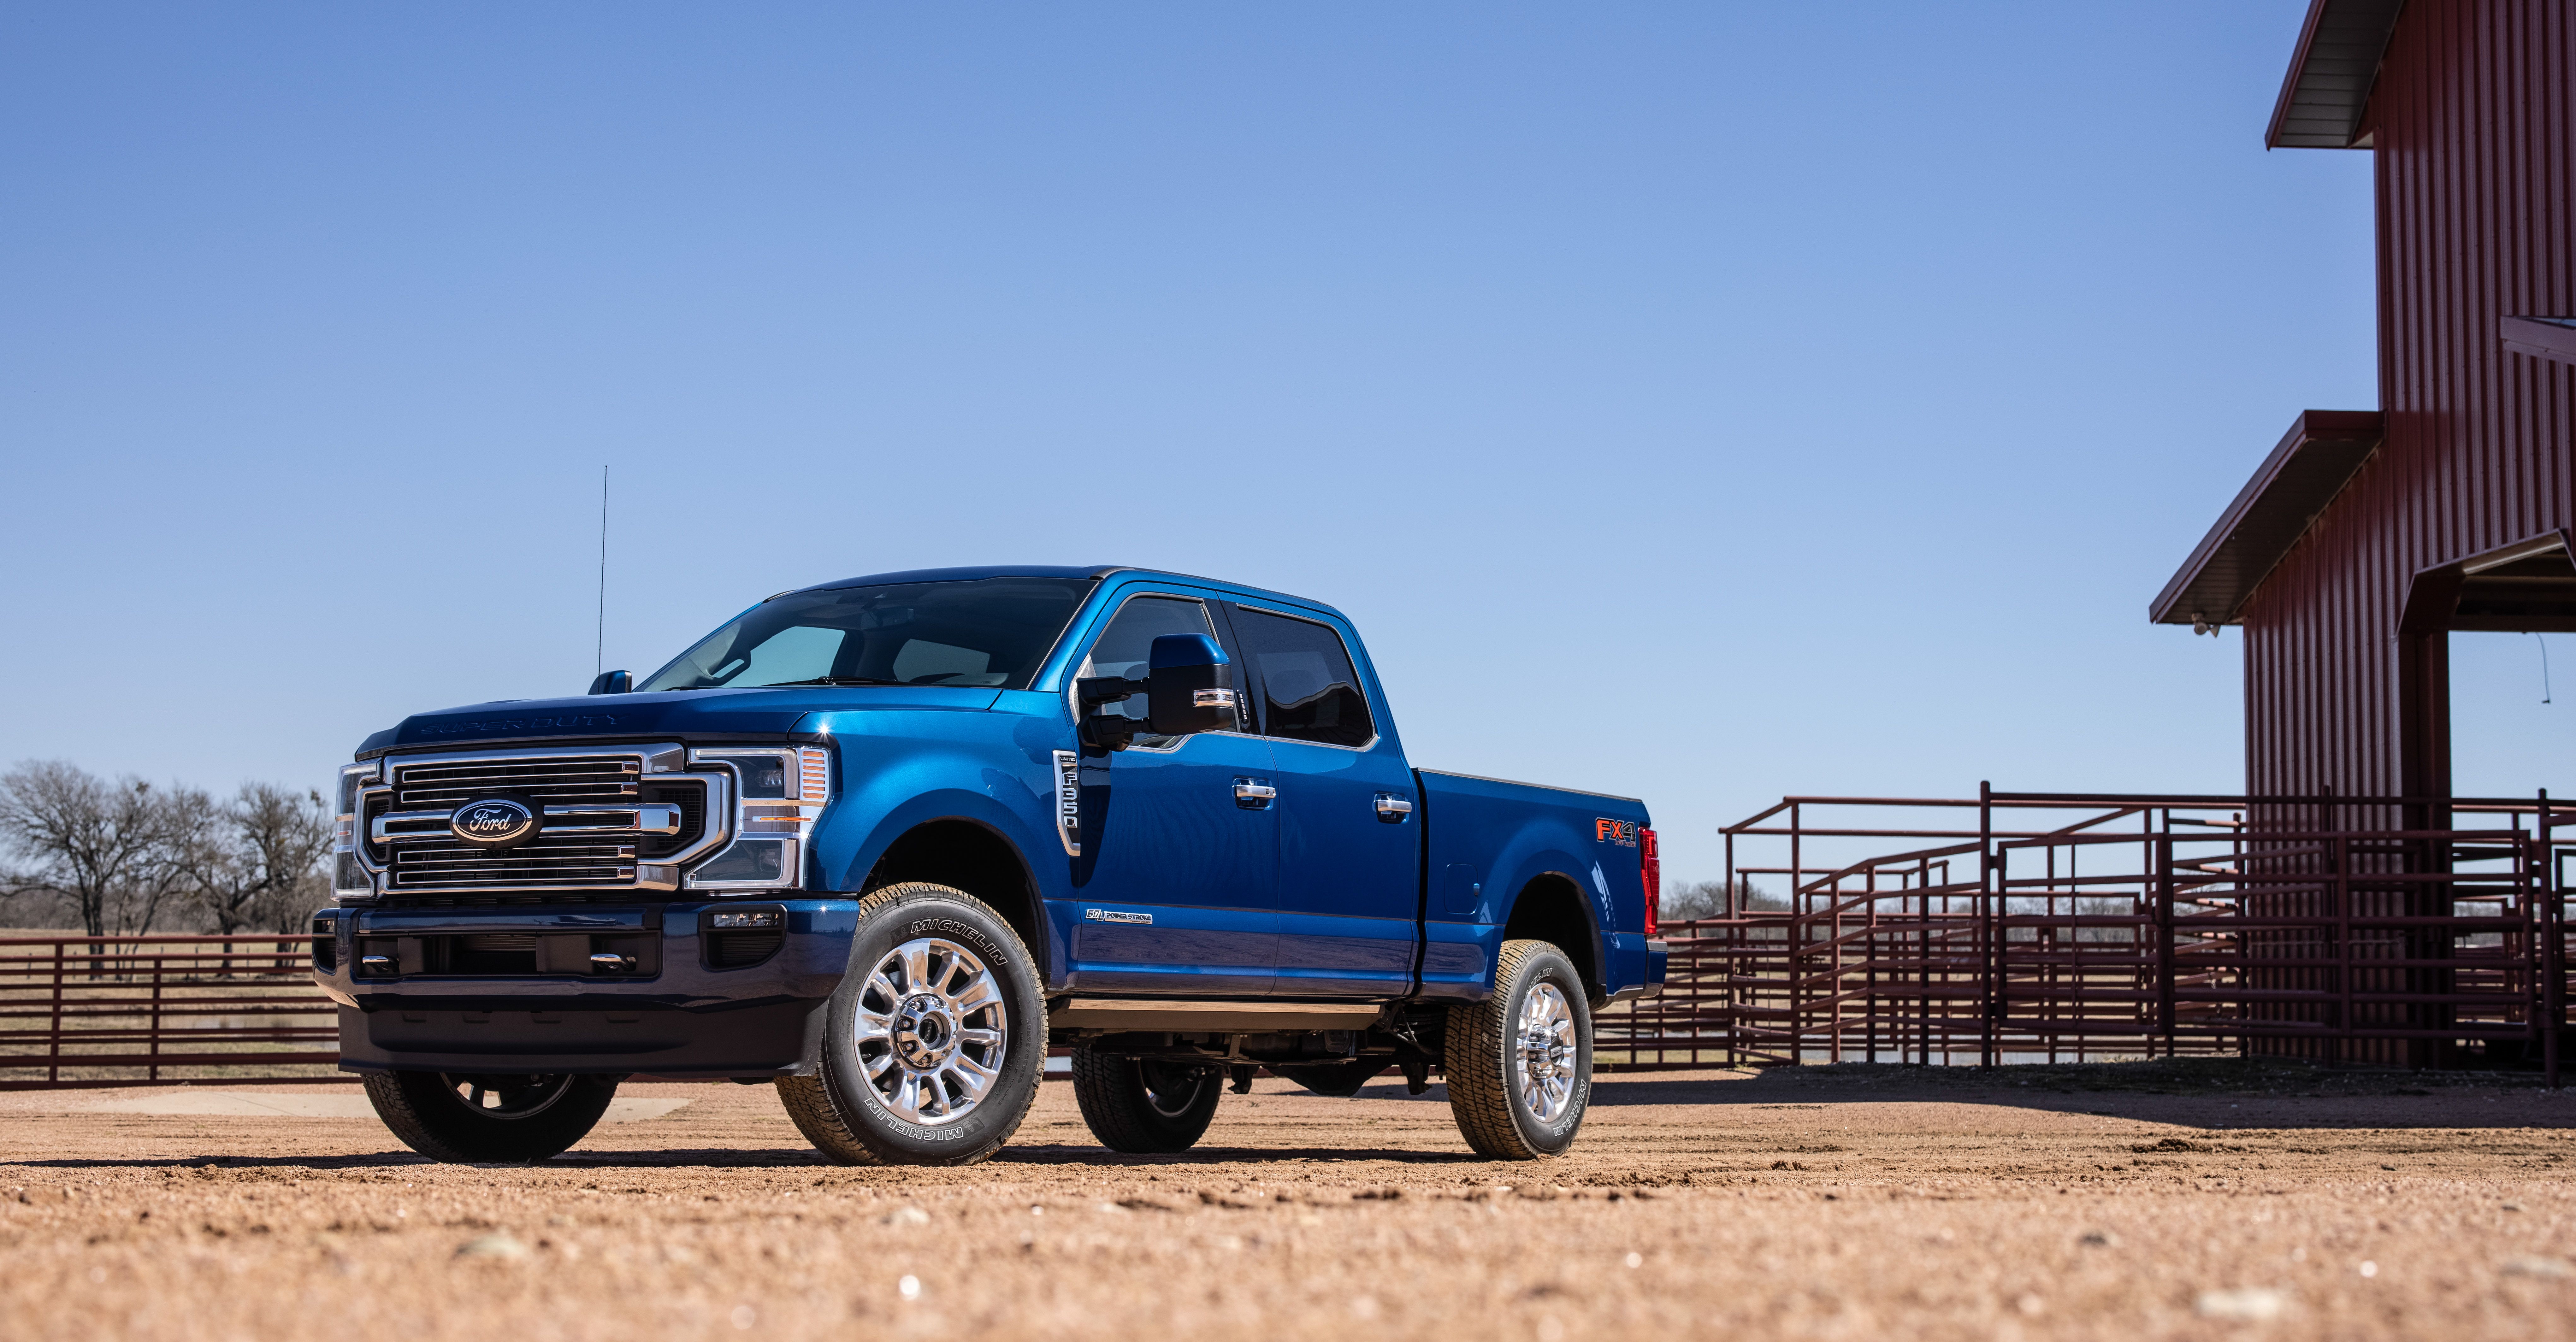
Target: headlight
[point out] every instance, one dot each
(348, 874)
(779, 794)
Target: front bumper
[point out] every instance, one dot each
(681, 1013)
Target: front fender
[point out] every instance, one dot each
(891, 783)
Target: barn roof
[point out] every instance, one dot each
(2313, 462)
(2331, 73)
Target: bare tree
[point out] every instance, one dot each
(1707, 899)
(261, 863)
(105, 849)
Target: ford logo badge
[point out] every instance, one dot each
(495, 822)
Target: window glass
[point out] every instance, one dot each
(1309, 691)
(976, 631)
(798, 652)
(922, 660)
(1125, 647)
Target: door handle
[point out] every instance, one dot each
(1392, 809)
(1254, 795)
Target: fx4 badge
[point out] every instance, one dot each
(1620, 832)
(1113, 916)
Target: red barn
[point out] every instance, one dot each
(2368, 535)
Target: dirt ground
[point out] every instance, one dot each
(2137, 1201)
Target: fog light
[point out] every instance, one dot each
(749, 918)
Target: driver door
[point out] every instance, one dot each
(1178, 886)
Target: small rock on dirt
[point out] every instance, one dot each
(2252, 1304)
(492, 1246)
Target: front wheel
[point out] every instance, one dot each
(1520, 1062)
(470, 1119)
(932, 1049)
(1141, 1106)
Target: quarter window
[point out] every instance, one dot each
(1309, 689)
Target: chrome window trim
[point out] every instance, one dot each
(1375, 735)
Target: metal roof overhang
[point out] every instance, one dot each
(2313, 462)
(2331, 73)
(2540, 337)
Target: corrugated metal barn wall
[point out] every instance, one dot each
(2474, 133)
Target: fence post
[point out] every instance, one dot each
(2553, 950)
(2168, 1009)
(153, 1048)
(1989, 924)
(54, 1037)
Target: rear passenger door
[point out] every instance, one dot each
(1348, 867)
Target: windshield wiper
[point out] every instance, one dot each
(828, 680)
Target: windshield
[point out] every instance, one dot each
(977, 631)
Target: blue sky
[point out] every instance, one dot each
(1698, 401)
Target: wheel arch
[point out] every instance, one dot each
(967, 854)
(1551, 907)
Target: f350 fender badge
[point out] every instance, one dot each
(1114, 916)
(1620, 832)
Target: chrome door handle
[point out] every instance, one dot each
(1254, 795)
(1393, 809)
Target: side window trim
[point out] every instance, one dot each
(1259, 689)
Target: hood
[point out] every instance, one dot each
(670, 715)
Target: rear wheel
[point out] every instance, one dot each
(473, 1119)
(933, 1045)
(1141, 1106)
(1520, 1062)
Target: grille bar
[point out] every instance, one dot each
(570, 779)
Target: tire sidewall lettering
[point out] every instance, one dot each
(903, 921)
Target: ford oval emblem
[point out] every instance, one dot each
(494, 822)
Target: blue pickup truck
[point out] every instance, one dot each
(884, 842)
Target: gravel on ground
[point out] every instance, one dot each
(2130, 1201)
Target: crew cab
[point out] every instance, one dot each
(885, 842)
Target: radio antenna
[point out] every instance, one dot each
(599, 647)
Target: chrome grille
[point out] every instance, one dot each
(614, 823)
(570, 778)
(538, 862)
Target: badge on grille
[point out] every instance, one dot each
(495, 822)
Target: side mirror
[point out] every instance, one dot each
(612, 682)
(1189, 686)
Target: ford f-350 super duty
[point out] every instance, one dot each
(883, 842)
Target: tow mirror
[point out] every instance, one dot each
(612, 682)
(1189, 686)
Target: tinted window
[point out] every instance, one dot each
(978, 631)
(1125, 646)
(1309, 691)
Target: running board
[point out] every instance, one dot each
(1127, 1013)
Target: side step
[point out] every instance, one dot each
(1126, 1013)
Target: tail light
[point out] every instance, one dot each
(1651, 868)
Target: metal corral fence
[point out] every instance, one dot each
(91, 1011)
(2043, 927)
(2011, 927)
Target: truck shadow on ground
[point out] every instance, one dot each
(1228, 1155)
(2211, 1093)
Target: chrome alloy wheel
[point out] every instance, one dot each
(1547, 1053)
(931, 1030)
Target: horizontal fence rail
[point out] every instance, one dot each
(2044, 927)
(88, 1011)
(2011, 927)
